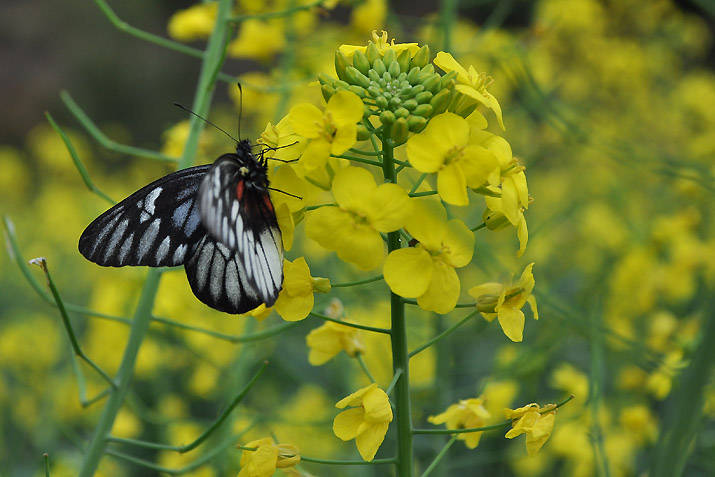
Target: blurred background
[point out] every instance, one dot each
(609, 104)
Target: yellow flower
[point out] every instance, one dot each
(507, 302)
(331, 132)
(330, 339)
(352, 229)
(534, 421)
(470, 83)
(260, 313)
(284, 139)
(382, 45)
(267, 457)
(369, 15)
(445, 147)
(258, 39)
(295, 301)
(289, 209)
(466, 414)
(427, 271)
(366, 421)
(639, 421)
(193, 23)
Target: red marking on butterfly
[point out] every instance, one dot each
(240, 187)
(267, 201)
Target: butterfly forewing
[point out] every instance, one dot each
(155, 226)
(237, 212)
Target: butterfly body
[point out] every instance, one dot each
(217, 220)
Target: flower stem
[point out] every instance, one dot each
(400, 356)
(439, 457)
(357, 282)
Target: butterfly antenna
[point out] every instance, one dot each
(240, 108)
(286, 193)
(181, 106)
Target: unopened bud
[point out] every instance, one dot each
(440, 101)
(355, 77)
(362, 132)
(421, 58)
(361, 62)
(400, 131)
(423, 110)
(379, 66)
(404, 60)
(416, 123)
(340, 64)
(389, 56)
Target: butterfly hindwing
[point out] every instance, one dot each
(218, 278)
(155, 226)
(237, 212)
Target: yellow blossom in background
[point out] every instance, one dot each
(470, 83)
(295, 300)
(571, 380)
(258, 40)
(267, 457)
(534, 421)
(507, 302)
(366, 421)
(427, 270)
(466, 414)
(364, 210)
(194, 23)
(331, 132)
(369, 15)
(640, 422)
(330, 339)
(444, 147)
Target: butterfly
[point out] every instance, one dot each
(217, 220)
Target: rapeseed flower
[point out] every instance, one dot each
(496, 300)
(258, 40)
(193, 23)
(466, 414)
(446, 147)
(367, 419)
(364, 209)
(326, 341)
(295, 301)
(331, 132)
(427, 270)
(267, 457)
(382, 44)
(471, 84)
(534, 421)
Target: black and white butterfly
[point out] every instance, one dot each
(217, 220)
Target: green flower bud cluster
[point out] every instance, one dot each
(403, 90)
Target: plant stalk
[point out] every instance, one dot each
(398, 335)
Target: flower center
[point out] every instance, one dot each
(453, 155)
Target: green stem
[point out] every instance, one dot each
(479, 227)
(400, 356)
(443, 334)
(103, 140)
(391, 386)
(449, 18)
(287, 61)
(364, 153)
(362, 364)
(142, 316)
(419, 182)
(439, 457)
(77, 161)
(313, 207)
(685, 408)
(359, 159)
(390, 460)
(352, 325)
(422, 194)
(357, 282)
(46, 458)
(193, 445)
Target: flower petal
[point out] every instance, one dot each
(447, 63)
(388, 207)
(428, 222)
(452, 185)
(512, 322)
(369, 441)
(362, 246)
(459, 244)
(443, 291)
(477, 163)
(352, 185)
(355, 398)
(306, 120)
(408, 271)
(345, 137)
(377, 406)
(315, 155)
(345, 424)
(344, 107)
(294, 308)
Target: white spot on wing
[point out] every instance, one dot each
(147, 240)
(144, 217)
(233, 289)
(103, 233)
(126, 247)
(163, 249)
(217, 278)
(150, 198)
(179, 215)
(114, 241)
(203, 263)
(179, 253)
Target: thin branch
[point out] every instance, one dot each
(419, 182)
(193, 445)
(313, 207)
(361, 362)
(422, 194)
(42, 263)
(352, 325)
(102, 139)
(395, 378)
(359, 159)
(458, 305)
(478, 227)
(439, 457)
(443, 334)
(146, 36)
(357, 282)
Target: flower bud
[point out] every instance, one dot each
(355, 77)
(373, 91)
(423, 110)
(432, 83)
(325, 79)
(340, 64)
(404, 60)
(440, 101)
(423, 97)
(413, 75)
(389, 56)
(320, 284)
(327, 91)
(421, 58)
(379, 66)
(374, 77)
(401, 112)
(372, 53)
(394, 69)
(387, 117)
(361, 62)
(416, 123)
(495, 220)
(358, 90)
(400, 131)
(362, 132)
(410, 104)
(381, 102)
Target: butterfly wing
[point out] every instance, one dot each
(155, 226)
(241, 218)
